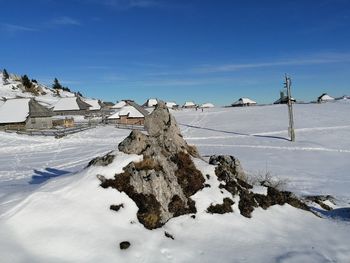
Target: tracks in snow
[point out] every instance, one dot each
(318, 149)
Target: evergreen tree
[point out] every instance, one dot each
(66, 89)
(5, 75)
(26, 82)
(56, 84)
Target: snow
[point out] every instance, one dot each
(119, 105)
(95, 105)
(129, 111)
(67, 218)
(14, 110)
(244, 101)
(69, 103)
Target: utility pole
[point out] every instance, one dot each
(288, 83)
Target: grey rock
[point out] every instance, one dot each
(161, 184)
(228, 166)
(102, 161)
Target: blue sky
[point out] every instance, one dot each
(180, 50)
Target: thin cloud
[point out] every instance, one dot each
(11, 28)
(322, 59)
(66, 21)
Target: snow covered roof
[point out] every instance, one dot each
(129, 111)
(325, 97)
(14, 110)
(189, 104)
(171, 104)
(95, 104)
(207, 105)
(119, 105)
(243, 101)
(71, 103)
(151, 103)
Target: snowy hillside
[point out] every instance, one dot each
(52, 208)
(13, 88)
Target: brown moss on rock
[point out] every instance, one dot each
(230, 186)
(246, 203)
(149, 210)
(188, 176)
(178, 207)
(225, 207)
(276, 197)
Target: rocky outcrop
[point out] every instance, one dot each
(227, 166)
(161, 184)
(230, 173)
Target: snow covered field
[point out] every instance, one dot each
(53, 210)
(317, 163)
(27, 162)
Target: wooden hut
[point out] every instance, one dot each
(23, 114)
(71, 106)
(130, 114)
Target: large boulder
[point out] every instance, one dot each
(161, 184)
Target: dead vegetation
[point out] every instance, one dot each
(268, 180)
